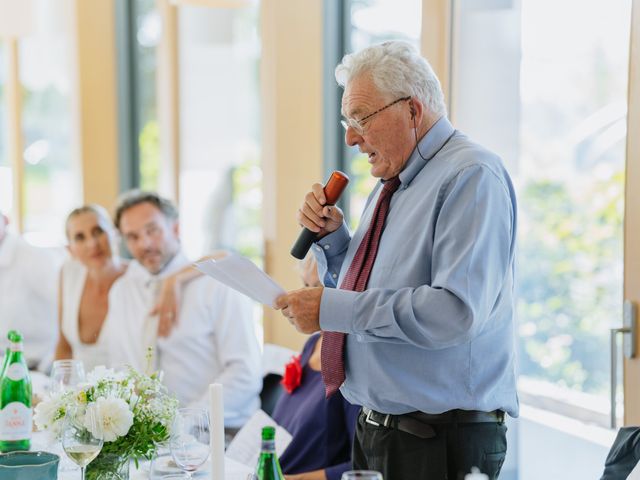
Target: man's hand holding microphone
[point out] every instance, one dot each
(318, 216)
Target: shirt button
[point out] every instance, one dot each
(334, 275)
(326, 247)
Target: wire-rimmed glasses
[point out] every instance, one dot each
(359, 125)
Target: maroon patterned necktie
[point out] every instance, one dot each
(356, 279)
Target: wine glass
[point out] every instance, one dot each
(66, 374)
(189, 443)
(362, 475)
(80, 445)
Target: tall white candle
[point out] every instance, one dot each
(216, 428)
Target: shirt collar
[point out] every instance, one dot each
(430, 144)
(8, 248)
(176, 263)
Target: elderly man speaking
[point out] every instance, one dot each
(420, 327)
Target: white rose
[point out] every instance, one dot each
(108, 418)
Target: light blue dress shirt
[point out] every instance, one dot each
(434, 330)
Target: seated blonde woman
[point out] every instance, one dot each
(85, 281)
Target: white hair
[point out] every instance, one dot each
(397, 70)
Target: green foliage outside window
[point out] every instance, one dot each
(569, 280)
(247, 202)
(149, 142)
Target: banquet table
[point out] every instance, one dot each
(41, 441)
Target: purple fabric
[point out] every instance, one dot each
(322, 428)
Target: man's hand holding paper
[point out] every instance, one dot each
(302, 308)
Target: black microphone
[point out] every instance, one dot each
(332, 190)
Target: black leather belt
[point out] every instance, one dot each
(420, 424)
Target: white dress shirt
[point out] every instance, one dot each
(28, 298)
(214, 340)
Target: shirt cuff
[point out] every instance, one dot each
(336, 310)
(335, 242)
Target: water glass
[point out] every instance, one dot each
(189, 443)
(66, 374)
(361, 475)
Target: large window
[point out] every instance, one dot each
(220, 174)
(51, 185)
(371, 22)
(548, 93)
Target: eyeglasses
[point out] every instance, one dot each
(358, 125)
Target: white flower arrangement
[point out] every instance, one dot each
(130, 411)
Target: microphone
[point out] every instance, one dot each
(332, 190)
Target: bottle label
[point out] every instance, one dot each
(15, 422)
(268, 446)
(16, 371)
(16, 346)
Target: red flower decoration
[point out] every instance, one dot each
(292, 377)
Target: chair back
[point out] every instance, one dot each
(271, 391)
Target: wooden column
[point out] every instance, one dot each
(169, 101)
(14, 132)
(632, 217)
(95, 100)
(436, 41)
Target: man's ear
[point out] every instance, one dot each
(416, 110)
(176, 228)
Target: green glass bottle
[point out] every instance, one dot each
(15, 399)
(268, 467)
(4, 361)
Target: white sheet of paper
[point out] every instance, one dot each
(243, 275)
(245, 446)
(235, 470)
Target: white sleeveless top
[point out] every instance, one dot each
(74, 276)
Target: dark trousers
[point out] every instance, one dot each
(449, 455)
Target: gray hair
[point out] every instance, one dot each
(135, 197)
(98, 210)
(397, 70)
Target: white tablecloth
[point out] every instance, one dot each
(41, 441)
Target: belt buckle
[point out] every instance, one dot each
(385, 423)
